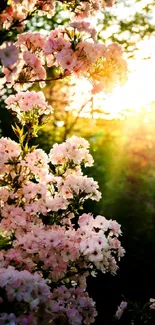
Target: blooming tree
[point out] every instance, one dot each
(49, 245)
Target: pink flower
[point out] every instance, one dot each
(86, 221)
(121, 309)
(66, 59)
(152, 303)
(33, 41)
(101, 223)
(110, 3)
(9, 54)
(115, 227)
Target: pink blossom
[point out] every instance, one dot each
(23, 102)
(9, 54)
(121, 309)
(67, 59)
(152, 303)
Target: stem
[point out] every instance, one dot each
(28, 135)
(38, 80)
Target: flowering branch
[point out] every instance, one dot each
(62, 76)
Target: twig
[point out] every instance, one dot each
(68, 130)
(37, 80)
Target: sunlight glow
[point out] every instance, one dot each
(137, 94)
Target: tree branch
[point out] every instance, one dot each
(62, 76)
(68, 130)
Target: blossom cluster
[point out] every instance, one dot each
(80, 308)
(34, 293)
(18, 285)
(53, 246)
(41, 196)
(93, 245)
(72, 49)
(18, 11)
(28, 106)
(73, 151)
(9, 151)
(11, 319)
